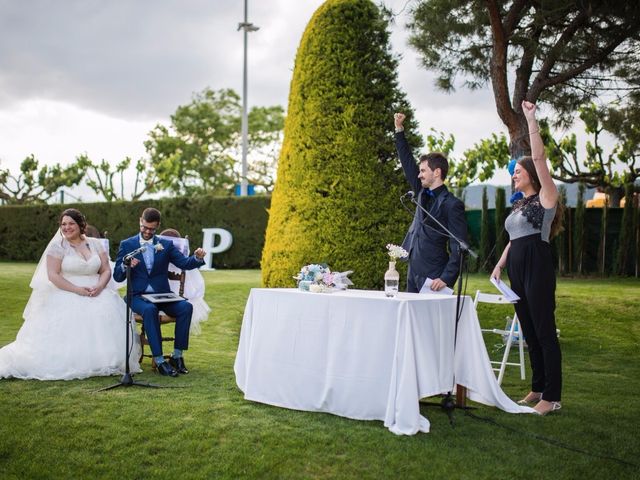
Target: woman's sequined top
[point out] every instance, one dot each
(529, 217)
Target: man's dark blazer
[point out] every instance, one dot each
(431, 253)
(163, 255)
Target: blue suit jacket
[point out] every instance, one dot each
(431, 253)
(157, 278)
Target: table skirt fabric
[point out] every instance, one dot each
(361, 355)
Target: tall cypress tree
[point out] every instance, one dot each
(579, 231)
(560, 240)
(625, 242)
(500, 217)
(336, 198)
(602, 244)
(485, 263)
(636, 239)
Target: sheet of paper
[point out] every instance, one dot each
(426, 288)
(505, 290)
(341, 279)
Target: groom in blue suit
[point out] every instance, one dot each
(149, 274)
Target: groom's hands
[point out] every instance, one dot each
(200, 253)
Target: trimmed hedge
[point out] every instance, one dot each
(25, 230)
(336, 198)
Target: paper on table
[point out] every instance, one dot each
(509, 294)
(426, 288)
(341, 280)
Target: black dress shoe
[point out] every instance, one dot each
(178, 364)
(167, 370)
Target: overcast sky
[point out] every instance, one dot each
(96, 76)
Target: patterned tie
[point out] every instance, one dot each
(148, 254)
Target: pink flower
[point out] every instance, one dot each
(327, 279)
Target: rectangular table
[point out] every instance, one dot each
(361, 355)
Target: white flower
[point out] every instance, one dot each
(396, 251)
(158, 247)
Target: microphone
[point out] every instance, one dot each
(129, 256)
(408, 195)
(463, 245)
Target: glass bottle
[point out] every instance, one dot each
(391, 280)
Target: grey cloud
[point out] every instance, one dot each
(140, 59)
(129, 58)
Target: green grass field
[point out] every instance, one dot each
(205, 429)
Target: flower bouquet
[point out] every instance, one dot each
(315, 278)
(396, 252)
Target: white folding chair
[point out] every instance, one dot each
(509, 334)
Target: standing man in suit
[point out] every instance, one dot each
(149, 274)
(431, 253)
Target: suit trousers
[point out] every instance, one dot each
(182, 312)
(533, 279)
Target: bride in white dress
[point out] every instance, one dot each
(74, 325)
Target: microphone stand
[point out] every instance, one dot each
(127, 379)
(448, 403)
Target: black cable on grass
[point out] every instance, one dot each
(551, 441)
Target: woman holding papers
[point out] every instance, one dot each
(533, 221)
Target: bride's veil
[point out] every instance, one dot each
(40, 277)
(40, 283)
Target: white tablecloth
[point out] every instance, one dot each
(361, 355)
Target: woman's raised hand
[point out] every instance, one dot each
(529, 110)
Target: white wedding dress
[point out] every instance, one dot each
(67, 336)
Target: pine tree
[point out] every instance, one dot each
(336, 198)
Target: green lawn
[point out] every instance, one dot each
(207, 430)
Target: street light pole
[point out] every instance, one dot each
(246, 27)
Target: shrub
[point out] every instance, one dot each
(25, 230)
(336, 196)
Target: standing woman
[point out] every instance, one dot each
(533, 221)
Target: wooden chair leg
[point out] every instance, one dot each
(143, 339)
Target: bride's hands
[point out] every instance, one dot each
(83, 291)
(89, 291)
(95, 291)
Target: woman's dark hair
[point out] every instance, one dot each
(556, 224)
(77, 217)
(91, 231)
(170, 232)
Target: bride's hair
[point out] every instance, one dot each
(77, 216)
